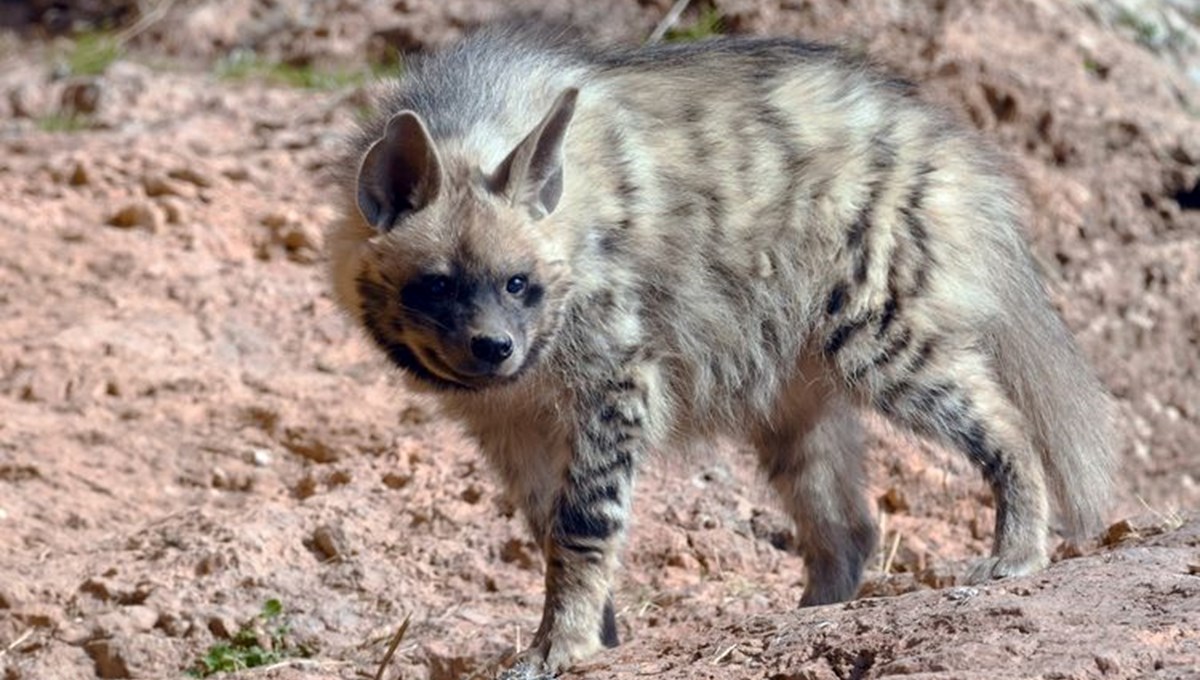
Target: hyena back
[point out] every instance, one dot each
(588, 254)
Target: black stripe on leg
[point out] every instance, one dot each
(575, 520)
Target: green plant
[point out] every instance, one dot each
(63, 122)
(250, 66)
(707, 25)
(261, 642)
(92, 53)
(1144, 31)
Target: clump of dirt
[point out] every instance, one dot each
(190, 430)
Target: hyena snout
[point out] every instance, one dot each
(492, 349)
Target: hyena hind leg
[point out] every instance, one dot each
(813, 457)
(955, 399)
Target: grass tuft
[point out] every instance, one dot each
(63, 122)
(246, 65)
(708, 24)
(92, 53)
(262, 642)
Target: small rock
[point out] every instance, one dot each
(125, 621)
(1118, 532)
(142, 617)
(222, 625)
(260, 457)
(516, 551)
(82, 97)
(73, 634)
(138, 214)
(306, 487)
(28, 101)
(472, 494)
(329, 541)
(173, 210)
(42, 615)
(1194, 569)
(393, 480)
(79, 175)
(109, 658)
(157, 185)
(961, 594)
(12, 595)
(237, 173)
(192, 176)
(893, 501)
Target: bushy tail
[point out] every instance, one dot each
(1067, 408)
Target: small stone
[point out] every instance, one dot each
(192, 176)
(329, 541)
(472, 494)
(12, 595)
(173, 210)
(893, 501)
(138, 214)
(260, 457)
(109, 658)
(961, 594)
(237, 173)
(73, 634)
(1119, 532)
(79, 175)
(393, 480)
(157, 185)
(306, 487)
(1194, 569)
(82, 97)
(222, 625)
(516, 551)
(142, 617)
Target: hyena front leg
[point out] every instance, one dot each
(589, 519)
(812, 453)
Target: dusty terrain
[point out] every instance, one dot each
(189, 430)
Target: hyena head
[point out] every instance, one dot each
(456, 285)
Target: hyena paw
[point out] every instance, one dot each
(526, 671)
(1006, 566)
(547, 658)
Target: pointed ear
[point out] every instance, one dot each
(532, 174)
(400, 173)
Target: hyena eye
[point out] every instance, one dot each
(516, 285)
(438, 286)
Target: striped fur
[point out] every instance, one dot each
(806, 241)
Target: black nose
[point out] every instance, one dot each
(491, 350)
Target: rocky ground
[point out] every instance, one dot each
(199, 457)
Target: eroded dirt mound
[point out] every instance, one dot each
(188, 430)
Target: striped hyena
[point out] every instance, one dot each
(587, 254)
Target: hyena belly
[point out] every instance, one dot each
(586, 260)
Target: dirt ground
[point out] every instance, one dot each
(189, 430)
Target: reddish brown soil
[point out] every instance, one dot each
(188, 428)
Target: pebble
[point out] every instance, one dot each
(260, 457)
(79, 175)
(222, 625)
(82, 96)
(330, 541)
(157, 185)
(192, 176)
(141, 214)
(173, 210)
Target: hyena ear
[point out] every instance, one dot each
(400, 173)
(532, 174)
